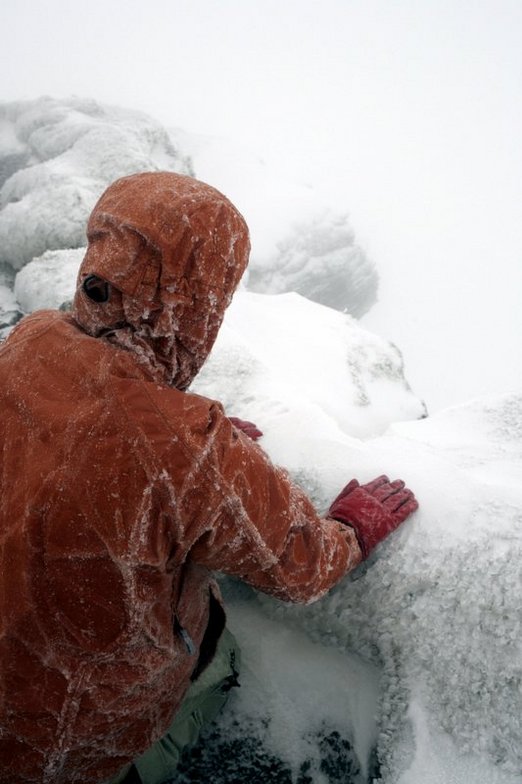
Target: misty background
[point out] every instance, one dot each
(406, 114)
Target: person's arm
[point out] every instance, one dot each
(234, 511)
(263, 527)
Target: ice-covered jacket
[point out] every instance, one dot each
(119, 495)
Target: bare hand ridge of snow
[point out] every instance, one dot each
(417, 655)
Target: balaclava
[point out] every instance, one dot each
(173, 250)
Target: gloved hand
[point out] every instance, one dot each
(373, 510)
(251, 430)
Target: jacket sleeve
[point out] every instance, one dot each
(237, 513)
(262, 527)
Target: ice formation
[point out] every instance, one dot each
(56, 157)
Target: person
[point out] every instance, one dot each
(121, 492)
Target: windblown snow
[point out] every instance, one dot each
(416, 657)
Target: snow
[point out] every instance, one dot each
(438, 603)
(419, 651)
(283, 359)
(276, 689)
(56, 158)
(48, 281)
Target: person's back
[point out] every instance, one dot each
(88, 649)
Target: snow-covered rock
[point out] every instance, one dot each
(284, 361)
(299, 243)
(56, 158)
(48, 281)
(437, 606)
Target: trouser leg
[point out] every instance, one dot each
(201, 704)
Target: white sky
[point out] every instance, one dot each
(407, 113)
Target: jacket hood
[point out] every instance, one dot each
(174, 250)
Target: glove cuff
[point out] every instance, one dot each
(365, 550)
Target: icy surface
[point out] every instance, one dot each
(438, 604)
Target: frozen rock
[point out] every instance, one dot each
(56, 158)
(437, 605)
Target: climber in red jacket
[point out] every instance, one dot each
(121, 492)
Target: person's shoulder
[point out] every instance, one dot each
(195, 411)
(43, 334)
(34, 325)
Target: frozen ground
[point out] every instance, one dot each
(415, 659)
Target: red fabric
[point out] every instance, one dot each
(374, 510)
(251, 430)
(174, 249)
(119, 493)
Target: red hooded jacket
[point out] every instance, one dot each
(120, 492)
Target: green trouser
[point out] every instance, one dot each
(201, 704)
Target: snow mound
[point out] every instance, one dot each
(281, 359)
(299, 243)
(56, 158)
(437, 605)
(292, 720)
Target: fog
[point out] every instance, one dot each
(407, 114)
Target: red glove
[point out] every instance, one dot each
(373, 510)
(249, 428)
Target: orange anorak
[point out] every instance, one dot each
(120, 492)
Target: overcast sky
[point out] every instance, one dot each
(407, 113)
